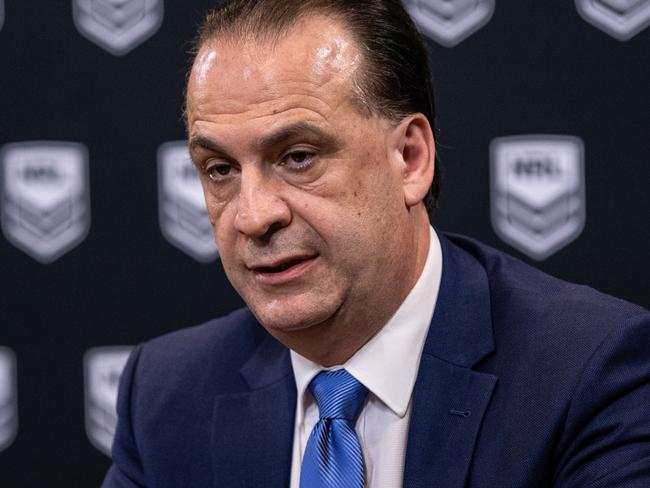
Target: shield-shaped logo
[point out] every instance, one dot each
(45, 197)
(117, 25)
(621, 19)
(538, 192)
(181, 205)
(103, 367)
(8, 398)
(448, 22)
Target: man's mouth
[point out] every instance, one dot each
(283, 270)
(281, 267)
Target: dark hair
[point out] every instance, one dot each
(394, 80)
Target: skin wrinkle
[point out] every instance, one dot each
(225, 113)
(355, 210)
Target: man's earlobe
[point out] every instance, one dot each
(417, 152)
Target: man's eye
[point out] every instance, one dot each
(218, 171)
(298, 159)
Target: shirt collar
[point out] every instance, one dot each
(388, 363)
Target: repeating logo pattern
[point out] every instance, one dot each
(8, 398)
(181, 205)
(118, 26)
(45, 197)
(538, 192)
(449, 22)
(621, 19)
(103, 367)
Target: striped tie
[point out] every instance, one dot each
(333, 456)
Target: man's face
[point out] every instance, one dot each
(306, 203)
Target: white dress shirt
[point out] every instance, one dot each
(387, 365)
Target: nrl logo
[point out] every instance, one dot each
(181, 205)
(118, 26)
(45, 197)
(448, 22)
(8, 398)
(538, 192)
(102, 370)
(621, 19)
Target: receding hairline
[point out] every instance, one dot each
(254, 31)
(258, 28)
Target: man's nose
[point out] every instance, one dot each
(261, 210)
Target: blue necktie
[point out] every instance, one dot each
(333, 456)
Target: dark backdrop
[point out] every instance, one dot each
(535, 68)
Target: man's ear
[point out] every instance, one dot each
(414, 148)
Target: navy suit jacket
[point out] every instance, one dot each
(525, 381)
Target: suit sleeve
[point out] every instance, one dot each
(126, 470)
(606, 439)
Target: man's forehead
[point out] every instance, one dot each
(316, 52)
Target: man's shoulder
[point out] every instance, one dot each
(540, 311)
(509, 276)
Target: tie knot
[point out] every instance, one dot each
(338, 394)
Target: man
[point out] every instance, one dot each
(373, 350)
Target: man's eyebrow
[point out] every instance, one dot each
(202, 142)
(296, 130)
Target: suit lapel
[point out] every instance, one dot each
(449, 398)
(253, 431)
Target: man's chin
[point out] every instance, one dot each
(294, 310)
(290, 320)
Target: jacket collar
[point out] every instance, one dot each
(449, 398)
(461, 328)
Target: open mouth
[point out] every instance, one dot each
(284, 271)
(282, 267)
